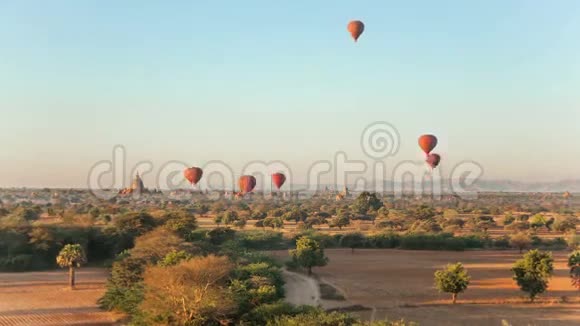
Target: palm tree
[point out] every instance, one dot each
(71, 256)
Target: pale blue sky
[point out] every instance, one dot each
(497, 81)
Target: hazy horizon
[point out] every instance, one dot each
(240, 82)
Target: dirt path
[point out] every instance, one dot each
(43, 298)
(301, 289)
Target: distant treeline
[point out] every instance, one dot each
(33, 248)
(269, 240)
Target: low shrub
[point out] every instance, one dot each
(262, 240)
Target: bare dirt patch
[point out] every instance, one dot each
(399, 284)
(43, 298)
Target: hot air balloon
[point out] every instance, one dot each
(193, 174)
(427, 143)
(355, 28)
(247, 183)
(433, 160)
(278, 179)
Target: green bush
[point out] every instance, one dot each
(502, 243)
(316, 317)
(262, 314)
(262, 240)
(554, 244)
(384, 240)
(432, 242)
(18, 263)
(325, 240)
(220, 235)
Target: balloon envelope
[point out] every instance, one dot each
(355, 28)
(433, 160)
(247, 183)
(427, 143)
(278, 179)
(193, 174)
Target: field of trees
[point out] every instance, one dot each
(207, 261)
(400, 283)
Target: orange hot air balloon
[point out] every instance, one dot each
(278, 179)
(247, 183)
(355, 28)
(193, 174)
(433, 160)
(427, 143)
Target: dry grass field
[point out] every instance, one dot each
(399, 284)
(43, 298)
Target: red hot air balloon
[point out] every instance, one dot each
(355, 28)
(193, 174)
(247, 183)
(433, 160)
(278, 179)
(427, 143)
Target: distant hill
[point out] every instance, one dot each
(572, 186)
(518, 186)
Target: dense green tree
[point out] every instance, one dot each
(273, 222)
(308, 254)
(229, 217)
(314, 318)
(452, 279)
(574, 265)
(366, 202)
(181, 221)
(124, 286)
(533, 272)
(319, 317)
(537, 221)
(340, 221)
(135, 223)
(295, 214)
(353, 240)
(220, 235)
